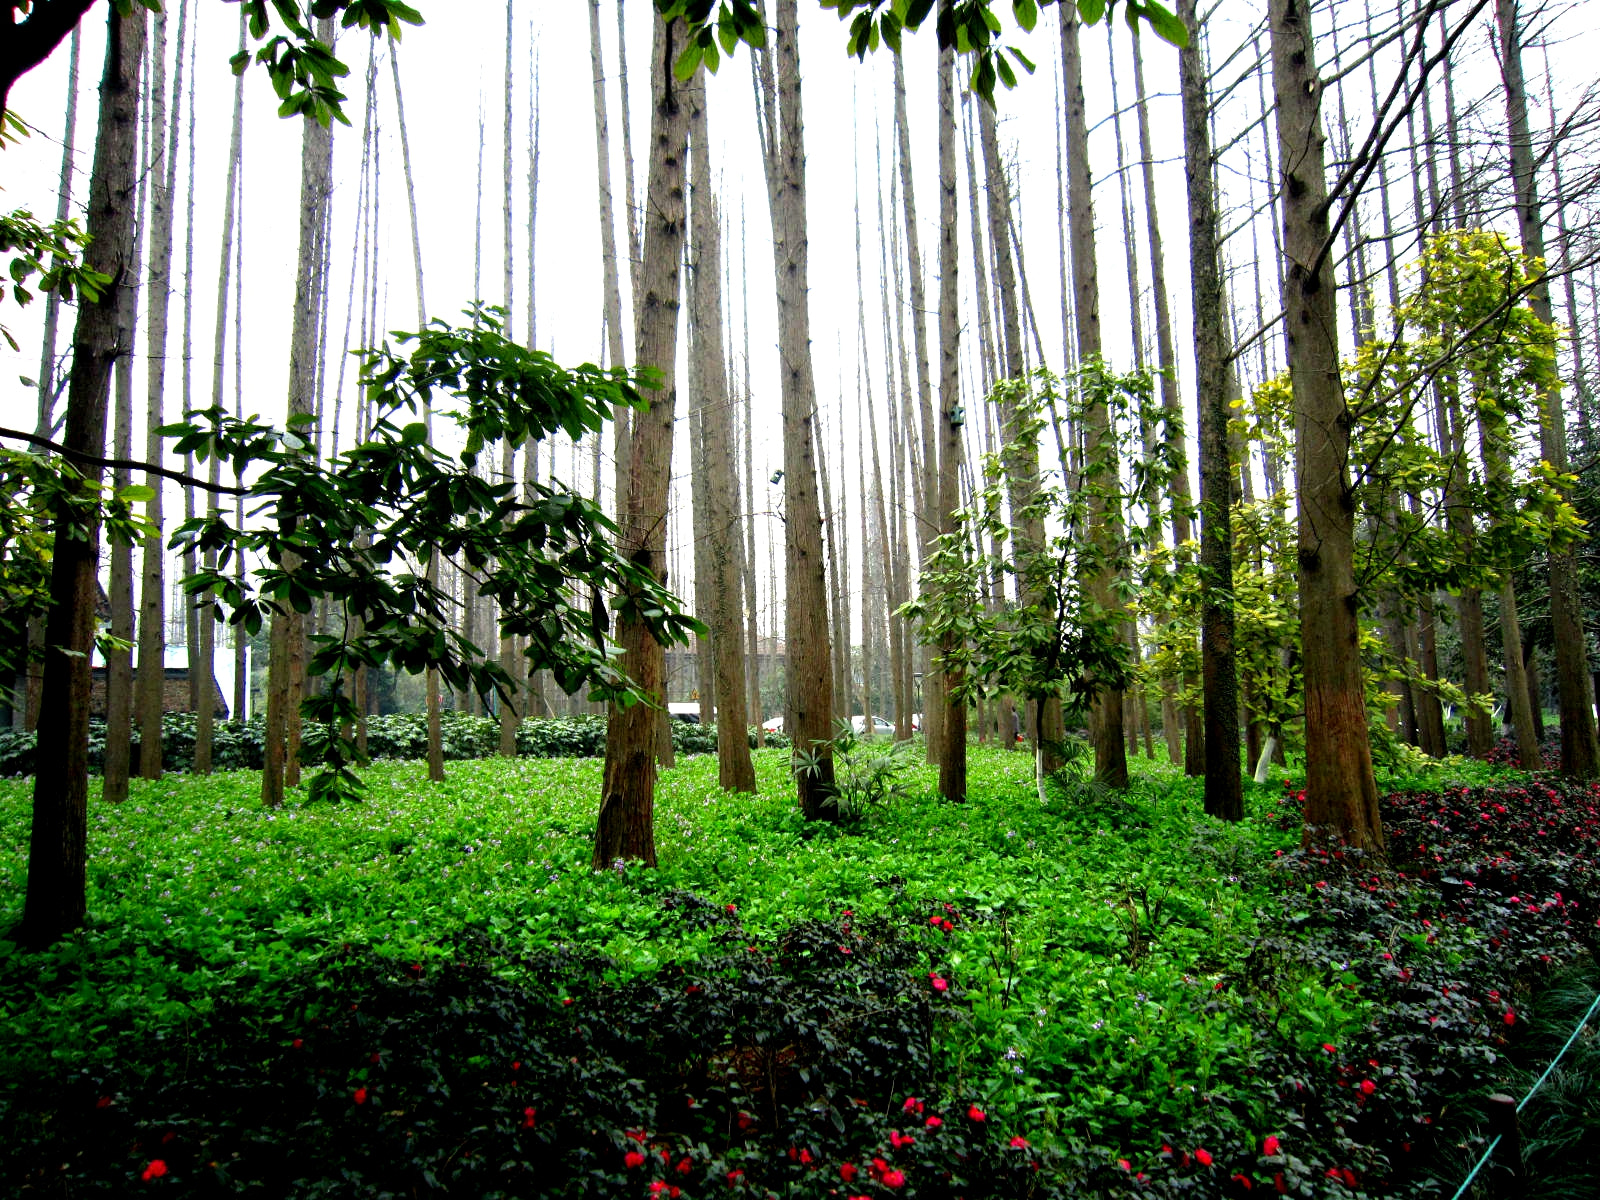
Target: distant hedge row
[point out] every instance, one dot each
(237, 745)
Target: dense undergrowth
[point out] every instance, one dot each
(431, 993)
(237, 745)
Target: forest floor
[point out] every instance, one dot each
(432, 993)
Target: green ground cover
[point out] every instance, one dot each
(431, 990)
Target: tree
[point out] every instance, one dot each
(1341, 793)
(953, 754)
(735, 771)
(1224, 793)
(626, 828)
(57, 856)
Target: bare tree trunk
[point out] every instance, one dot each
(808, 677)
(150, 688)
(512, 707)
(207, 703)
(287, 664)
(753, 631)
(1105, 520)
(735, 771)
(430, 686)
(1580, 755)
(56, 901)
(1341, 794)
(626, 827)
(953, 757)
(926, 465)
(608, 244)
(119, 659)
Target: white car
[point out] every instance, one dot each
(880, 727)
(775, 725)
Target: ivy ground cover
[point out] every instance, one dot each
(431, 993)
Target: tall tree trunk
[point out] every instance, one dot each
(287, 663)
(205, 714)
(1341, 794)
(1224, 792)
(150, 690)
(56, 901)
(119, 590)
(808, 678)
(925, 466)
(1580, 755)
(953, 757)
(1105, 520)
(514, 706)
(626, 827)
(430, 684)
(735, 771)
(615, 354)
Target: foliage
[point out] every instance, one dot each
(358, 532)
(1107, 978)
(52, 252)
(1061, 642)
(969, 27)
(44, 496)
(868, 775)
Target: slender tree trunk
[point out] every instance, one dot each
(953, 757)
(616, 357)
(56, 901)
(1105, 521)
(808, 677)
(626, 827)
(207, 703)
(514, 706)
(119, 659)
(287, 664)
(150, 689)
(925, 466)
(430, 685)
(1341, 794)
(735, 772)
(1580, 754)
(1224, 793)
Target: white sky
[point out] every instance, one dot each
(453, 69)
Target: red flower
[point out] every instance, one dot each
(936, 921)
(933, 1122)
(745, 1120)
(732, 908)
(947, 926)
(1203, 1157)
(805, 1158)
(940, 984)
(1279, 1184)
(528, 1115)
(657, 1187)
(155, 1170)
(734, 1177)
(1243, 1179)
(103, 1102)
(632, 1159)
(1019, 1142)
(1511, 1017)
(847, 1171)
(898, 1139)
(361, 1095)
(297, 1043)
(1270, 1146)
(893, 1179)
(636, 1135)
(1368, 1086)
(684, 1167)
(1124, 1164)
(1328, 1046)
(976, 1113)
(912, 1105)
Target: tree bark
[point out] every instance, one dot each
(608, 248)
(626, 826)
(1580, 754)
(1105, 521)
(1341, 794)
(56, 901)
(953, 756)
(735, 771)
(149, 692)
(287, 662)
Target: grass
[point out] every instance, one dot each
(1092, 950)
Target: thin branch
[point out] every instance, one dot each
(123, 464)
